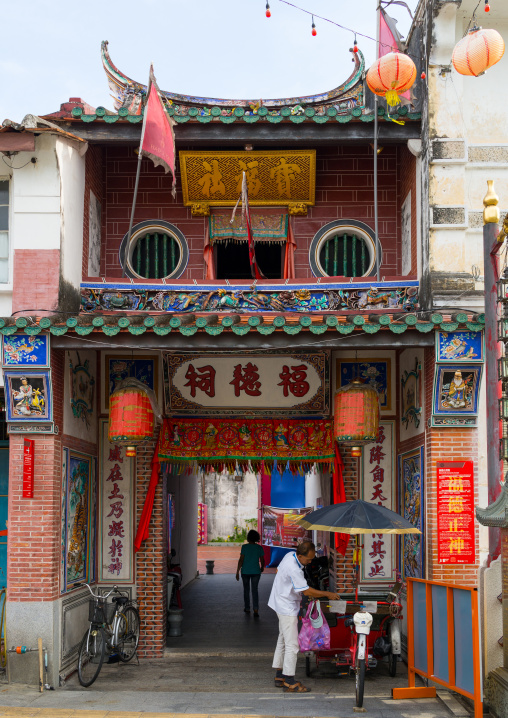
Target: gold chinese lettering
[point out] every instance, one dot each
(283, 173)
(251, 170)
(456, 545)
(211, 182)
(456, 504)
(456, 484)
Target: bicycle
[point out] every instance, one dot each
(114, 628)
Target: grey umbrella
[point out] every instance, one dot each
(357, 517)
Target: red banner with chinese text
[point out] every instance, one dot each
(455, 512)
(216, 440)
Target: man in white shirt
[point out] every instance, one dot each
(288, 587)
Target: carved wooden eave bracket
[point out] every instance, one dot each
(496, 514)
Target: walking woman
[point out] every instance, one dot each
(252, 564)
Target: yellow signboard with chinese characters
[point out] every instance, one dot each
(273, 177)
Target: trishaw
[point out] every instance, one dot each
(371, 632)
(366, 630)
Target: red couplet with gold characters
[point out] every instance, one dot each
(131, 418)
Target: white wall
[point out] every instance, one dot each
(72, 173)
(184, 537)
(230, 502)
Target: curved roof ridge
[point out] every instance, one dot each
(122, 86)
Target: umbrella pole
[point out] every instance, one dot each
(357, 559)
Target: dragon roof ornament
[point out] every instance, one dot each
(129, 93)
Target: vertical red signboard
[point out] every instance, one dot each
(28, 468)
(455, 512)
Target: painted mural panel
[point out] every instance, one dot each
(456, 389)
(21, 350)
(412, 503)
(378, 486)
(80, 395)
(375, 369)
(459, 346)
(144, 368)
(79, 527)
(116, 560)
(28, 395)
(411, 412)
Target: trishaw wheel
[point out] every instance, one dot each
(392, 664)
(307, 666)
(360, 681)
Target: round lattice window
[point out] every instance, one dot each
(344, 248)
(157, 250)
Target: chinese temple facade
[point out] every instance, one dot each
(244, 371)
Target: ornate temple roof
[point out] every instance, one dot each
(128, 93)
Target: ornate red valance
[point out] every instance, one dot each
(265, 227)
(216, 441)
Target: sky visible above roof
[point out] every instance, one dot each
(226, 48)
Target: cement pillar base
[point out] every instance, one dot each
(496, 692)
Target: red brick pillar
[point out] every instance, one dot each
(34, 544)
(151, 567)
(445, 444)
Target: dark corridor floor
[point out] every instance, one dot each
(214, 621)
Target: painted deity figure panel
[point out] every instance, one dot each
(457, 389)
(412, 494)
(27, 396)
(78, 496)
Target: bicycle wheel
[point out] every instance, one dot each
(91, 655)
(360, 681)
(392, 664)
(129, 634)
(3, 647)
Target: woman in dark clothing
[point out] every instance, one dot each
(252, 564)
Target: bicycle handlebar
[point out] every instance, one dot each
(107, 595)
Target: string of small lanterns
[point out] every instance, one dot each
(395, 72)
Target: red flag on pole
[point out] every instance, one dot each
(157, 137)
(389, 40)
(339, 496)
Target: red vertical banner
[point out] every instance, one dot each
(28, 468)
(455, 512)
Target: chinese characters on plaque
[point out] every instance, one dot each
(116, 512)
(281, 384)
(377, 466)
(455, 512)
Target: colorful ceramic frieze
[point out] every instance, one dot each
(22, 350)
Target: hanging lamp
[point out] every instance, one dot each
(131, 418)
(356, 416)
(390, 75)
(477, 51)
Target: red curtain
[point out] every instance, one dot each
(146, 515)
(289, 259)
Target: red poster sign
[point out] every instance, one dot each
(28, 468)
(455, 512)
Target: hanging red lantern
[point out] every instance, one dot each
(314, 31)
(391, 74)
(131, 418)
(268, 12)
(479, 50)
(487, 6)
(356, 415)
(355, 46)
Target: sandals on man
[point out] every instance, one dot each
(295, 688)
(279, 682)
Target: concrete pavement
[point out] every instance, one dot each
(221, 666)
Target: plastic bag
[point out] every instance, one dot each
(315, 632)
